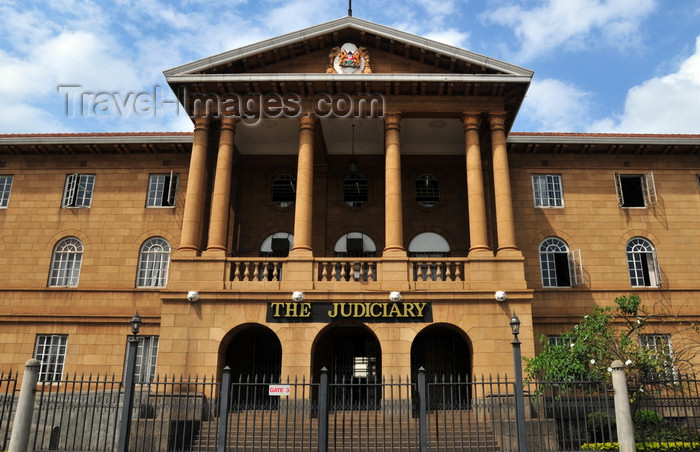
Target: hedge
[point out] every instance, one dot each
(646, 446)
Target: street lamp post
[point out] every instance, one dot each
(519, 397)
(125, 429)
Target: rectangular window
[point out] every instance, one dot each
(146, 357)
(635, 190)
(162, 190)
(659, 347)
(547, 190)
(50, 350)
(5, 188)
(78, 190)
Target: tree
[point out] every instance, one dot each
(606, 334)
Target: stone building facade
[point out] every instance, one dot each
(351, 197)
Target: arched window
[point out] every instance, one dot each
(65, 263)
(154, 260)
(284, 189)
(277, 245)
(355, 190)
(555, 263)
(274, 246)
(642, 263)
(427, 190)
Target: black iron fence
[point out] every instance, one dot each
(8, 389)
(352, 414)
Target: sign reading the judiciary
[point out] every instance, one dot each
(365, 311)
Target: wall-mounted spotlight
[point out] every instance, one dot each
(193, 296)
(298, 296)
(395, 296)
(500, 296)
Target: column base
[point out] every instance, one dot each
(186, 252)
(509, 252)
(480, 253)
(214, 253)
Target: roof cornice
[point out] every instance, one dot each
(340, 24)
(612, 138)
(388, 77)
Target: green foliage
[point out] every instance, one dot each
(606, 334)
(643, 418)
(647, 446)
(600, 424)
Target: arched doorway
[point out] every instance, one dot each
(352, 355)
(443, 350)
(254, 354)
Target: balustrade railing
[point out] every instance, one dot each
(256, 269)
(347, 269)
(437, 269)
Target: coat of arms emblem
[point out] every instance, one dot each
(348, 59)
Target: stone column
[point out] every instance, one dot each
(501, 186)
(196, 178)
(303, 206)
(478, 238)
(393, 222)
(221, 198)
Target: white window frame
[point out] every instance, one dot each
(162, 190)
(660, 344)
(50, 350)
(548, 190)
(642, 263)
(78, 190)
(554, 246)
(5, 189)
(66, 262)
(154, 262)
(146, 359)
(648, 187)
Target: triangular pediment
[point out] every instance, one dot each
(307, 51)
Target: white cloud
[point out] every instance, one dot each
(572, 23)
(554, 106)
(668, 104)
(449, 36)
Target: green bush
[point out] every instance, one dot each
(643, 418)
(600, 425)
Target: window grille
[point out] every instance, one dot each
(78, 190)
(427, 190)
(547, 190)
(65, 263)
(642, 263)
(659, 348)
(284, 189)
(154, 260)
(5, 188)
(146, 358)
(50, 350)
(559, 266)
(635, 190)
(162, 190)
(355, 190)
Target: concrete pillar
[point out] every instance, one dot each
(623, 411)
(19, 442)
(501, 186)
(393, 222)
(194, 198)
(221, 197)
(478, 237)
(303, 207)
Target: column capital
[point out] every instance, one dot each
(471, 120)
(392, 121)
(497, 120)
(202, 122)
(228, 122)
(307, 121)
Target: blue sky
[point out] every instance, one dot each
(600, 65)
